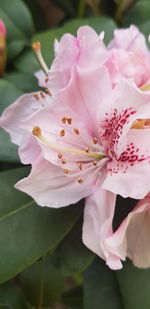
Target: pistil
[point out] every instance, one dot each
(37, 132)
(37, 49)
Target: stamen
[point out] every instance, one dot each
(48, 91)
(66, 171)
(37, 132)
(76, 131)
(62, 133)
(95, 140)
(80, 180)
(37, 49)
(94, 163)
(60, 155)
(42, 95)
(87, 149)
(36, 96)
(69, 120)
(64, 119)
(46, 80)
(80, 165)
(63, 161)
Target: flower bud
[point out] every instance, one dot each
(2, 47)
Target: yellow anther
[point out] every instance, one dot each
(80, 165)
(69, 120)
(60, 155)
(48, 91)
(94, 163)
(76, 131)
(42, 95)
(36, 131)
(80, 180)
(62, 133)
(64, 119)
(95, 140)
(66, 171)
(63, 161)
(36, 96)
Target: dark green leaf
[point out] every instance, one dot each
(11, 298)
(138, 14)
(134, 285)
(8, 94)
(8, 150)
(100, 287)
(23, 81)
(19, 25)
(72, 256)
(28, 231)
(42, 284)
(27, 62)
(74, 298)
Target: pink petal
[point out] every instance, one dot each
(130, 39)
(132, 237)
(92, 50)
(85, 51)
(131, 178)
(40, 75)
(97, 227)
(49, 186)
(11, 121)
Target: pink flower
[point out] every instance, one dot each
(131, 239)
(88, 144)
(12, 118)
(86, 51)
(128, 56)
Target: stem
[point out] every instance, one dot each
(81, 8)
(96, 8)
(41, 285)
(118, 14)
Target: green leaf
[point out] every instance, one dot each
(8, 150)
(100, 287)
(138, 14)
(134, 285)
(28, 231)
(19, 25)
(8, 94)
(74, 298)
(11, 298)
(25, 82)
(145, 28)
(42, 284)
(71, 256)
(27, 62)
